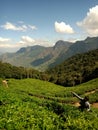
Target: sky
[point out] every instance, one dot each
(43, 22)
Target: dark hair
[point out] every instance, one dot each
(86, 98)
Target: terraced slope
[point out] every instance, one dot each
(39, 105)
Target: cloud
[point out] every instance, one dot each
(26, 40)
(5, 44)
(10, 26)
(9, 45)
(90, 22)
(32, 27)
(63, 28)
(22, 27)
(4, 39)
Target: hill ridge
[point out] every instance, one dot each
(42, 58)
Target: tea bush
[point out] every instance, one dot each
(32, 105)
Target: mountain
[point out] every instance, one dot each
(77, 48)
(23, 56)
(36, 56)
(42, 58)
(76, 69)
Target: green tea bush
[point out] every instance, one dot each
(28, 106)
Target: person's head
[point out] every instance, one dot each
(86, 98)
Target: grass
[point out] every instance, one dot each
(39, 105)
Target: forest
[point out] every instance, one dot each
(73, 71)
(9, 71)
(76, 70)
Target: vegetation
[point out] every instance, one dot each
(31, 102)
(9, 71)
(40, 105)
(76, 70)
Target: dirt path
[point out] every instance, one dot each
(95, 105)
(91, 92)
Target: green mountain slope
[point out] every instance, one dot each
(75, 70)
(34, 104)
(78, 47)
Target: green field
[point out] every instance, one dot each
(31, 104)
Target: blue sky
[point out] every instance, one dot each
(43, 22)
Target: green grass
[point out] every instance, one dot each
(31, 104)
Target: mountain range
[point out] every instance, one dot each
(42, 58)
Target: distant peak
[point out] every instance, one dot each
(29, 48)
(62, 43)
(89, 39)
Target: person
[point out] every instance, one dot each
(4, 82)
(84, 102)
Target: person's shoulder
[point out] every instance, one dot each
(87, 104)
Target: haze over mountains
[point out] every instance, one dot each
(41, 58)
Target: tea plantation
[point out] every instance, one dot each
(31, 104)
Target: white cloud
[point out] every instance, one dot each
(5, 44)
(26, 40)
(32, 27)
(10, 26)
(90, 22)
(22, 27)
(4, 39)
(63, 28)
(9, 45)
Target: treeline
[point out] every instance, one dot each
(9, 71)
(76, 70)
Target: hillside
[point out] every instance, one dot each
(42, 58)
(36, 56)
(22, 57)
(73, 71)
(35, 104)
(76, 70)
(79, 47)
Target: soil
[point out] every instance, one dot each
(95, 105)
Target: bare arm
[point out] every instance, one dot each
(77, 96)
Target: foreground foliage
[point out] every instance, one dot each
(38, 105)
